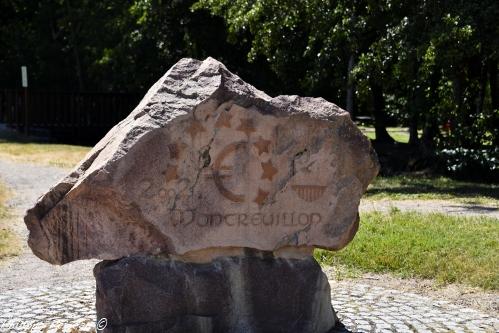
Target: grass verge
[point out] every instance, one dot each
(9, 243)
(399, 134)
(448, 249)
(415, 187)
(64, 156)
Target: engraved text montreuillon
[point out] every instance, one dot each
(184, 218)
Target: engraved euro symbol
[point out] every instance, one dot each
(217, 168)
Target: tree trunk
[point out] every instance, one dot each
(494, 93)
(464, 108)
(413, 107)
(481, 90)
(430, 129)
(413, 128)
(415, 102)
(74, 47)
(350, 86)
(457, 86)
(379, 114)
(494, 87)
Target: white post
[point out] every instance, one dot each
(24, 76)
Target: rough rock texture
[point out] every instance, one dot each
(231, 294)
(207, 161)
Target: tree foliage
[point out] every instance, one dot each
(110, 45)
(429, 64)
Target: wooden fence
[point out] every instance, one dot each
(75, 117)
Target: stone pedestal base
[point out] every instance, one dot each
(228, 294)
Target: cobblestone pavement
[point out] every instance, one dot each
(361, 308)
(49, 309)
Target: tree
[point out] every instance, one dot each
(431, 65)
(83, 45)
(311, 45)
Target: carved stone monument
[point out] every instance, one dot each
(206, 203)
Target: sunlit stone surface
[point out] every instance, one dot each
(205, 161)
(211, 196)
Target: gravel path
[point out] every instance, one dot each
(433, 206)
(28, 182)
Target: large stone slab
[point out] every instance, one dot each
(207, 161)
(251, 293)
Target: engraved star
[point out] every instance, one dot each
(195, 128)
(246, 126)
(171, 173)
(223, 120)
(268, 170)
(262, 145)
(261, 196)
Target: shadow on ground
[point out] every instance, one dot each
(8, 134)
(459, 191)
(340, 328)
(474, 208)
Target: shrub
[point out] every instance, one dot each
(475, 164)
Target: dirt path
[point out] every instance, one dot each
(28, 182)
(430, 206)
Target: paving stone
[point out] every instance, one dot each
(360, 309)
(364, 328)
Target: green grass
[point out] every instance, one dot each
(419, 187)
(448, 249)
(64, 156)
(17, 147)
(399, 134)
(9, 243)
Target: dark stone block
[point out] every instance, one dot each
(229, 294)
